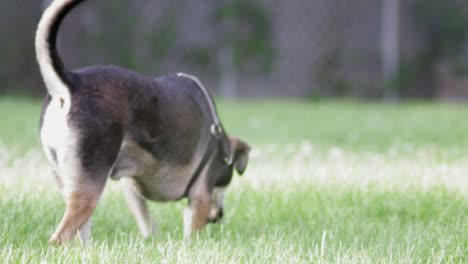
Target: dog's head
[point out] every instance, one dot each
(222, 174)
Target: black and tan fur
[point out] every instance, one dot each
(151, 133)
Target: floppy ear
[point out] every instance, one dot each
(240, 151)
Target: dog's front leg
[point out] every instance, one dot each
(138, 208)
(196, 214)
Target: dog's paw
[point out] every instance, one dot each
(54, 242)
(150, 231)
(60, 239)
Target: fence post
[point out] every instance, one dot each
(390, 41)
(225, 56)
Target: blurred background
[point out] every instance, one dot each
(353, 180)
(373, 49)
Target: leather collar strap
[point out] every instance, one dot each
(218, 133)
(218, 136)
(208, 153)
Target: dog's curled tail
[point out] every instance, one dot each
(56, 77)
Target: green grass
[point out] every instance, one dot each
(19, 127)
(350, 124)
(328, 182)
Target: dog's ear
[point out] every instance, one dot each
(240, 151)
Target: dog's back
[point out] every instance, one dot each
(168, 117)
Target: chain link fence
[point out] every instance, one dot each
(239, 48)
(306, 47)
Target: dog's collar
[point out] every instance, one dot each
(218, 133)
(200, 167)
(218, 138)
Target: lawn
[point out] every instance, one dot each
(328, 182)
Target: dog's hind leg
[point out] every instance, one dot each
(84, 164)
(84, 233)
(80, 204)
(139, 209)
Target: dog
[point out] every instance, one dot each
(160, 136)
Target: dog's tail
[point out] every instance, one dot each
(56, 77)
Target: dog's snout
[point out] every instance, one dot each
(216, 215)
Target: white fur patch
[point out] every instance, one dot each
(54, 130)
(188, 219)
(57, 137)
